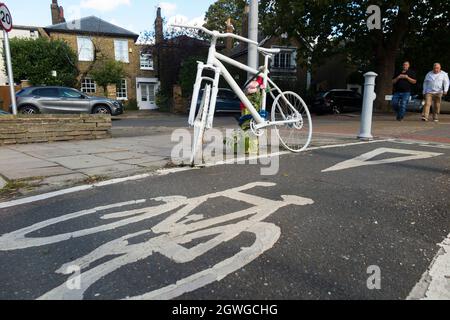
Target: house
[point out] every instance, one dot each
(172, 50)
(24, 32)
(286, 68)
(95, 39)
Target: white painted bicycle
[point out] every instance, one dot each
(291, 118)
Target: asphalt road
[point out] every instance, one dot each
(216, 241)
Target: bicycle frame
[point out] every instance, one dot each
(215, 64)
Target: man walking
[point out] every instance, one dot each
(403, 84)
(436, 86)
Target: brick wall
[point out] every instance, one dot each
(24, 129)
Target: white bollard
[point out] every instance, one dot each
(367, 111)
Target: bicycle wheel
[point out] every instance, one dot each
(200, 125)
(295, 137)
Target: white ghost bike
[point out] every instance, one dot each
(290, 118)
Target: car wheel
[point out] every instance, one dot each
(29, 110)
(102, 110)
(337, 110)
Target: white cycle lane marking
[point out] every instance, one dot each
(167, 238)
(435, 283)
(364, 160)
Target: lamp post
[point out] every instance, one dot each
(253, 25)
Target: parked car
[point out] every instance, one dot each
(35, 100)
(227, 101)
(3, 113)
(417, 103)
(337, 101)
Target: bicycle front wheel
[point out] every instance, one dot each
(294, 136)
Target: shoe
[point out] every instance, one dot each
(436, 120)
(424, 119)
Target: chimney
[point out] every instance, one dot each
(229, 41)
(159, 35)
(57, 13)
(245, 19)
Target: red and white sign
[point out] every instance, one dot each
(5, 18)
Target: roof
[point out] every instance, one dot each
(91, 25)
(31, 28)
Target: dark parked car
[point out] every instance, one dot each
(34, 100)
(3, 113)
(337, 101)
(227, 101)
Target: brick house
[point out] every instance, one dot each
(93, 39)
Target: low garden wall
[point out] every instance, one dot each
(24, 129)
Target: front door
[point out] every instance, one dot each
(147, 95)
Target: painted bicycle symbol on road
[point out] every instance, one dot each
(169, 238)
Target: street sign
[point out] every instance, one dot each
(5, 18)
(7, 25)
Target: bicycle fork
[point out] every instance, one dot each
(213, 98)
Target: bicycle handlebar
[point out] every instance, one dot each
(217, 34)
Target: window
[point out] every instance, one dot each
(148, 92)
(122, 91)
(121, 50)
(88, 86)
(85, 49)
(286, 59)
(227, 95)
(70, 93)
(146, 61)
(46, 92)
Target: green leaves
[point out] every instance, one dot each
(36, 61)
(219, 12)
(107, 72)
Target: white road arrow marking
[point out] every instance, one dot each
(364, 160)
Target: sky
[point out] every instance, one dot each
(134, 15)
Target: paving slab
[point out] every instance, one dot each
(83, 162)
(64, 179)
(117, 156)
(112, 170)
(2, 183)
(144, 159)
(22, 173)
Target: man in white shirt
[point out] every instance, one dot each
(436, 86)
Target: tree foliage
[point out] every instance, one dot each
(408, 28)
(107, 72)
(220, 11)
(36, 61)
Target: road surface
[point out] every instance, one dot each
(352, 222)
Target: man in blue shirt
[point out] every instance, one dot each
(403, 84)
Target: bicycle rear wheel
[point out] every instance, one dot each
(200, 126)
(295, 137)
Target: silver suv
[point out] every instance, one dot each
(35, 100)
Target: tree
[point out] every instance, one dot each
(38, 60)
(107, 72)
(341, 26)
(220, 11)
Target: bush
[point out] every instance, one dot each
(35, 60)
(131, 105)
(163, 102)
(107, 72)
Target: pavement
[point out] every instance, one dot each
(141, 143)
(354, 221)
